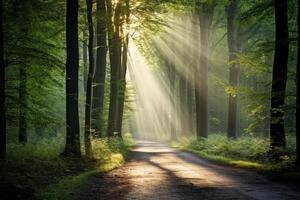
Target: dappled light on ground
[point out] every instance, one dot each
(156, 171)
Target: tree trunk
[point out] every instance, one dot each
(190, 106)
(123, 71)
(205, 12)
(277, 131)
(2, 91)
(89, 85)
(115, 64)
(183, 105)
(298, 102)
(85, 60)
(23, 105)
(122, 86)
(172, 120)
(100, 71)
(72, 66)
(232, 131)
(280, 66)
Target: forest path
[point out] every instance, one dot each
(155, 171)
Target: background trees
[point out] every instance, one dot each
(196, 55)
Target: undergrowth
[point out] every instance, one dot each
(245, 152)
(38, 172)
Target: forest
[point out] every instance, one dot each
(149, 99)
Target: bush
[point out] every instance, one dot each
(245, 151)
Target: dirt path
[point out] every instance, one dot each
(159, 172)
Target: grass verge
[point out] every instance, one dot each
(38, 172)
(245, 152)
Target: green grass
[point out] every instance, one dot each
(38, 172)
(245, 152)
(65, 188)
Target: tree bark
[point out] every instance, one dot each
(72, 147)
(89, 85)
(85, 60)
(183, 104)
(100, 71)
(205, 12)
(23, 104)
(280, 66)
(2, 89)
(298, 101)
(115, 64)
(123, 70)
(232, 131)
(172, 120)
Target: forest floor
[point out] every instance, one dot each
(155, 171)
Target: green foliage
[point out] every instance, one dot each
(245, 151)
(37, 169)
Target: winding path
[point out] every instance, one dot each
(156, 171)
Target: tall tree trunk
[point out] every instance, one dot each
(172, 78)
(280, 66)
(2, 90)
(85, 60)
(115, 64)
(183, 105)
(190, 106)
(123, 70)
(122, 86)
(298, 100)
(23, 105)
(206, 11)
(89, 85)
(232, 131)
(72, 66)
(100, 71)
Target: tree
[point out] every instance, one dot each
(231, 10)
(298, 100)
(100, 71)
(89, 85)
(2, 90)
(85, 59)
(23, 104)
(115, 65)
(279, 80)
(72, 147)
(205, 12)
(123, 70)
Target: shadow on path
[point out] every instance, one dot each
(156, 171)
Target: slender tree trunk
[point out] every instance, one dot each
(115, 64)
(23, 105)
(298, 100)
(123, 70)
(2, 90)
(122, 85)
(89, 85)
(172, 78)
(205, 12)
(232, 131)
(100, 71)
(280, 66)
(72, 66)
(183, 105)
(85, 60)
(190, 105)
